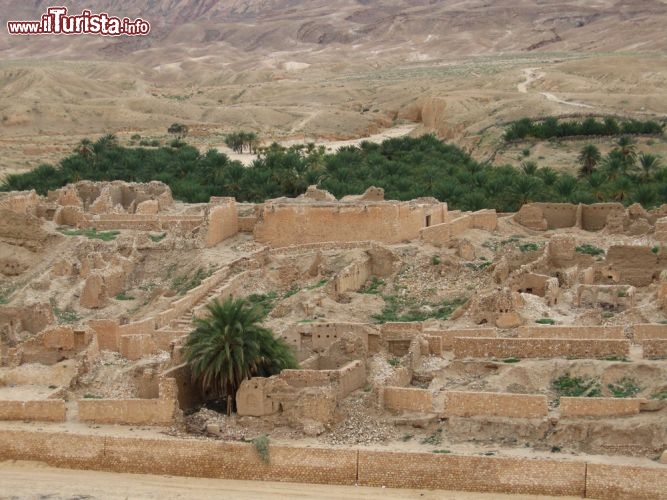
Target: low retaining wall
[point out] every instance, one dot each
(50, 410)
(447, 336)
(625, 482)
(648, 331)
(128, 411)
(407, 399)
(599, 407)
(572, 332)
(655, 348)
(214, 459)
(471, 404)
(463, 473)
(538, 348)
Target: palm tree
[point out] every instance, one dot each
(229, 345)
(588, 158)
(628, 150)
(648, 163)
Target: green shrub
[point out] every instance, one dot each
(434, 439)
(394, 361)
(182, 284)
(442, 451)
(373, 286)
(123, 296)
(157, 237)
(546, 321)
(265, 301)
(568, 386)
(659, 395)
(587, 249)
(511, 360)
(624, 388)
(529, 247)
(91, 233)
(435, 260)
(262, 447)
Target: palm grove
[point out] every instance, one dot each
(406, 168)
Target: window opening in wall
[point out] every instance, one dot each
(428, 221)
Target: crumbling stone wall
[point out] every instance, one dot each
(221, 221)
(447, 336)
(636, 265)
(286, 222)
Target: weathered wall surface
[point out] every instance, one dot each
(180, 457)
(353, 277)
(221, 221)
(538, 348)
(594, 217)
(442, 234)
(128, 411)
(407, 399)
(625, 482)
(185, 457)
(470, 404)
(49, 410)
(571, 332)
(648, 331)
(485, 474)
(288, 223)
(447, 336)
(655, 348)
(635, 265)
(542, 216)
(598, 407)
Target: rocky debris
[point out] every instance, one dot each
(359, 425)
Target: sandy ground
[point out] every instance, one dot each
(331, 146)
(35, 480)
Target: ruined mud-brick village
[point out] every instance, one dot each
(354, 341)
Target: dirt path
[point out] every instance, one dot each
(331, 146)
(36, 480)
(531, 75)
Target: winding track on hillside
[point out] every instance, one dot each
(531, 75)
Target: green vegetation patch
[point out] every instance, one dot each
(156, 238)
(551, 128)
(124, 296)
(407, 309)
(261, 444)
(373, 287)
(624, 388)
(546, 321)
(181, 284)
(434, 439)
(568, 386)
(587, 249)
(265, 301)
(91, 233)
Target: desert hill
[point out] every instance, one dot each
(325, 70)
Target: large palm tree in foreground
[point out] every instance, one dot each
(229, 345)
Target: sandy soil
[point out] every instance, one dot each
(28, 480)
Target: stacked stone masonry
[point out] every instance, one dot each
(185, 457)
(538, 348)
(470, 404)
(599, 407)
